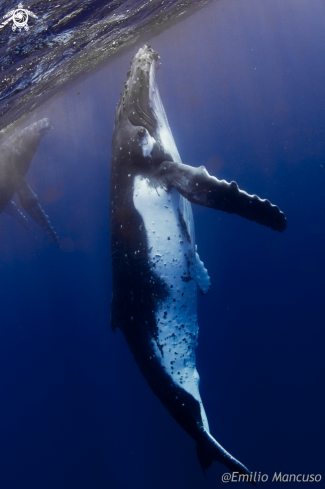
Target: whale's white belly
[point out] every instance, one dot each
(172, 258)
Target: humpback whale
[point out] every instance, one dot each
(156, 268)
(17, 151)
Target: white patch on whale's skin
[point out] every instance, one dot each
(146, 144)
(174, 260)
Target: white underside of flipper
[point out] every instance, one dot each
(202, 276)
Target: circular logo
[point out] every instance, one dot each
(20, 18)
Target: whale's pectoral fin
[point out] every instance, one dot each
(13, 211)
(196, 185)
(29, 201)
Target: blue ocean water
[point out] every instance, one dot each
(242, 85)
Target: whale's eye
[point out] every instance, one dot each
(141, 132)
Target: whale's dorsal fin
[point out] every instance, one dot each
(14, 212)
(197, 186)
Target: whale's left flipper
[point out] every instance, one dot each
(197, 186)
(16, 213)
(29, 201)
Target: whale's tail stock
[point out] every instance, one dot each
(208, 450)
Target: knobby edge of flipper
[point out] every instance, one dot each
(197, 186)
(208, 449)
(202, 276)
(30, 203)
(12, 209)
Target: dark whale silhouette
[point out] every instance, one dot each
(156, 268)
(16, 154)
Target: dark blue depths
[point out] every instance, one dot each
(242, 85)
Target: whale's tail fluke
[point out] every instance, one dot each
(208, 449)
(204, 456)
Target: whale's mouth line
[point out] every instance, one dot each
(136, 102)
(145, 116)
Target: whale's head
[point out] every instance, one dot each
(140, 104)
(19, 146)
(136, 102)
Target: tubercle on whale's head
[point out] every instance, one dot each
(44, 126)
(135, 102)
